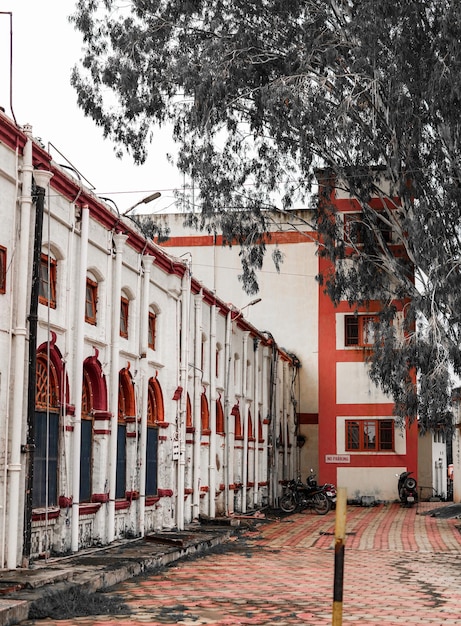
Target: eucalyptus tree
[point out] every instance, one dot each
(260, 95)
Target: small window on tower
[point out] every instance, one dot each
(2, 269)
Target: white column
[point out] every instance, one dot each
(256, 423)
(213, 398)
(227, 409)
(147, 261)
(120, 240)
(183, 376)
(19, 397)
(79, 321)
(245, 409)
(198, 374)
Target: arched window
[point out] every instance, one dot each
(155, 410)
(260, 429)
(204, 415)
(46, 432)
(237, 374)
(47, 284)
(91, 299)
(189, 425)
(3, 266)
(152, 330)
(250, 427)
(126, 400)
(238, 422)
(47, 384)
(219, 417)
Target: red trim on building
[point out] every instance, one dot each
(99, 497)
(88, 509)
(308, 418)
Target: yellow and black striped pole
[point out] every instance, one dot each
(340, 537)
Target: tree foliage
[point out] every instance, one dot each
(262, 92)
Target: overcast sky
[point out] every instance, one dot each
(45, 47)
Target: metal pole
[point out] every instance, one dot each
(340, 535)
(33, 319)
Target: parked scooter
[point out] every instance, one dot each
(298, 496)
(407, 489)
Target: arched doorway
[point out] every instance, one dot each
(46, 433)
(155, 414)
(94, 403)
(126, 408)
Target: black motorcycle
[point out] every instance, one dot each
(299, 496)
(407, 489)
(328, 489)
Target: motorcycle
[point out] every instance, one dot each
(298, 496)
(328, 488)
(407, 489)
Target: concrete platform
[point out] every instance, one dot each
(104, 567)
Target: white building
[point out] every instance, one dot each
(155, 401)
(351, 436)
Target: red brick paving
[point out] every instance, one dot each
(401, 567)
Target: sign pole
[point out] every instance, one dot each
(340, 536)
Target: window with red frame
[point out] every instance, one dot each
(370, 435)
(152, 328)
(353, 228)
(124, 308)
(47, 287)
(204, 415)
(91, 301)
(2, 269)
(359, 330)
(219, 417)
(356, 230)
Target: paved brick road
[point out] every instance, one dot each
(401, 567)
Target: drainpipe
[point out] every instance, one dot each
(78, 375)
(147, 261)
(197, 405)
(274, 424)
(119, 240)
(183, 376)
(245, 408)
(19, 354)
(42, 179)
(212, 454)
(285, 424)
(266, 459)
(256, 422)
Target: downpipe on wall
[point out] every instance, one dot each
(42, 179)
(78, 376)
